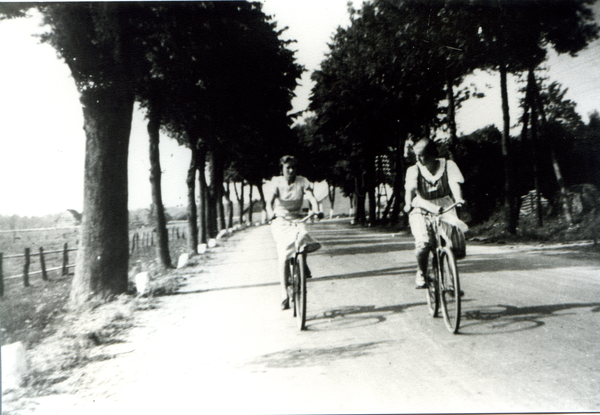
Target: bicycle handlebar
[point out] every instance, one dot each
(320, 215)
(438, 210)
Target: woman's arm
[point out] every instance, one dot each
(410, 194)
(271, 196)
(410, 187)
(455, 179)
(314, 204)
(456, 190)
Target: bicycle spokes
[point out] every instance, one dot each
(450, 291)
(431, 280)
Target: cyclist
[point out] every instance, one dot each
(285, 201)
(435, 180)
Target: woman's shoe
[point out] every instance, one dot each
(285, 304)
(420, 281)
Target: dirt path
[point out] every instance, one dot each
(221, 345)
(175, 351)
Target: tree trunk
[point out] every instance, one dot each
(557, 172)
(250, 205)
(534, 141)
(240, 199)
(103, 255)
(331, 195)
(202, 195)
(229, 204)
(162, 235)
(211, 198)
(451, 116)
(370, 188)
(509, 202)
(192, 239)
(218, 179)
(398, 194)
(359, 191)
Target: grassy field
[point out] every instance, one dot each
(15, 242)
(29, 314)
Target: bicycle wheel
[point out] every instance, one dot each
(291, 285)
(300, 291)
(432, 281)
(449, 288)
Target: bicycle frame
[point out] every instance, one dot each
(442, 281)
(298, 274)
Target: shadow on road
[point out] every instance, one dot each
(409, 269)
(355, 316)
(518, 261)
(317, 356)
(364, 241)
(366, 248)
(502, 318)
(183, 291)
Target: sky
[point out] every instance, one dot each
(42, 142)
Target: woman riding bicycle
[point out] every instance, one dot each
(437, 181)
(285, 202)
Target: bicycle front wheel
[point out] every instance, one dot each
(431, 279)
(300, 291)
(291, 286)
(449, 289)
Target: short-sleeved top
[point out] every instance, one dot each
(435, 186)
(289, 197)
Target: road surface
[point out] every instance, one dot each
(528, 341)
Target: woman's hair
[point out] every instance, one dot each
(287, 160)
(428, 146)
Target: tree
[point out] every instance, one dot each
(479, 156)
(163, 40)
(516, 34)
(379, 83)
(160, 223)
(98, 43)
(236, 95)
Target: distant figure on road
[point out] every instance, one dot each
(436, 180)
(285, 201)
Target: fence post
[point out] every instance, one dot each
(65, 269)
(26, 268)
(43, 264)
(1, 277)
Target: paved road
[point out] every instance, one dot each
(528, 338)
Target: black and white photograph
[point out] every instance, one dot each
(300, 207)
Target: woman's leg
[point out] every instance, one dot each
(418, 228)
(284, 270)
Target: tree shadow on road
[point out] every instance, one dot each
(409, 269)
(518, 261)
(364, 241)
(317, 356)
(501, 318)
(355, 316)
(365, 248)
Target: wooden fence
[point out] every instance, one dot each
(144, 238)
(139, 239)
(27, 255)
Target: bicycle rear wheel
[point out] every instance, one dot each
(291, 285)
(431, 279)
(300, 291)
(449, 289)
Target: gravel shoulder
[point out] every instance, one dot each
(221, 344)
(163, 346)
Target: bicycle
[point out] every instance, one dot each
(441, 279)
(299, 272)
